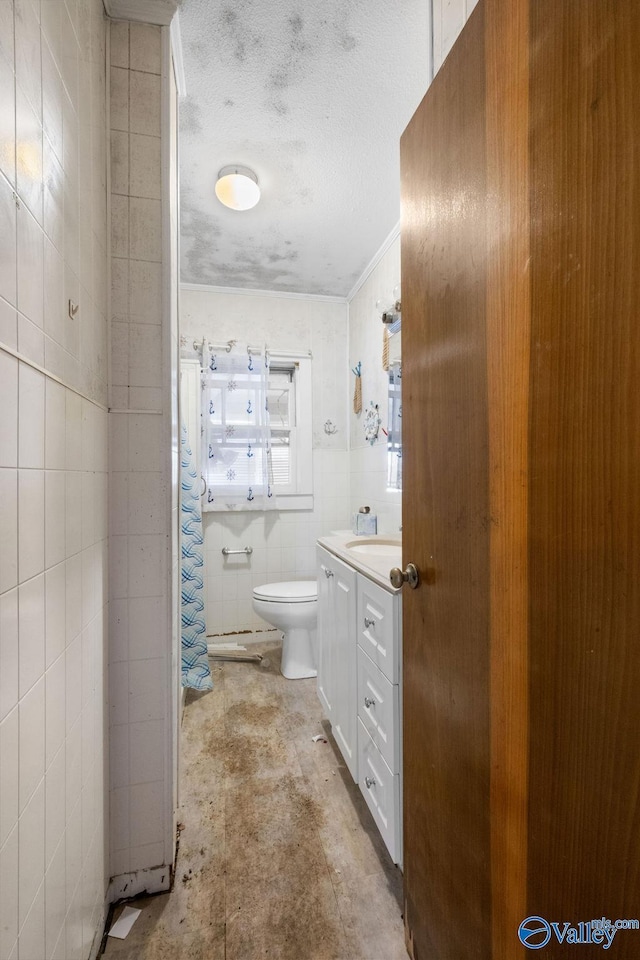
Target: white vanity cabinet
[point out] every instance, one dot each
(379, 708)
(359, 685)
(337, 652)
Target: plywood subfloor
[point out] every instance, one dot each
(279, 857)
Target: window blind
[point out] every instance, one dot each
(281, 399)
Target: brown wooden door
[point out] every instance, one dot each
(445, 511)
(521, 426)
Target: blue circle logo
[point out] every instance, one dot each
(534, 933)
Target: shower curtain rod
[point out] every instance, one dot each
(205, 344)
(227, 347)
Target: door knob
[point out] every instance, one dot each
(328, 573)
(370, 782)
(368, 702)
(410, 576)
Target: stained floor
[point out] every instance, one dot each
(279, 856)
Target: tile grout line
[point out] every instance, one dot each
(49, 375)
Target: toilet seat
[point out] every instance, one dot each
(291, 607)
(290, 591)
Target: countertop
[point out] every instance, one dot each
(371, 565)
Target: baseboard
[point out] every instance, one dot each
(244, 639)
(152, 880)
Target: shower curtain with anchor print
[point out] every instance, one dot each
(236, 448)
(195, 663)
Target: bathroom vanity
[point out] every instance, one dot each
(360, 668)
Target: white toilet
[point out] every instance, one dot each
(292, 608)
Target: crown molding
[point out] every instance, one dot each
(273, 294)
(373, 263)
(160, 12)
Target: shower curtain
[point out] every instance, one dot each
(195, 663)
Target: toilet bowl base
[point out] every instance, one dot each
(301, 674)
(297, 654)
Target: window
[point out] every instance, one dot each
(289, 396)
(281, 397)
(251, 459)
(236, 435)
(394, 443)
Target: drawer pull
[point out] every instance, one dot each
(368, 702)
(368, 623)
(369, 782)
(328, 573)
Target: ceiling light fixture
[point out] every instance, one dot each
(237, 187)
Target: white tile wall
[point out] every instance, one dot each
(449, 17)
(53, 557)
(283, 543)
(368, 464)
(139, 485)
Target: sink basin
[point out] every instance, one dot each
(375, 548)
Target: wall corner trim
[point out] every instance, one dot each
(373, 263)
(160, 12)
(151, 880)
(178, 61)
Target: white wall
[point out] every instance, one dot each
(53, 459)
(368, 464)
(283, 542)
(449, 17)
(142, 474)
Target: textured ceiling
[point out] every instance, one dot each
(313, 96)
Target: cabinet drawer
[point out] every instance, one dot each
(381, 790)
(379, 626)
(379, 709)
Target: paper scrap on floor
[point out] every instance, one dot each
(125, 921)
(319, 737)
